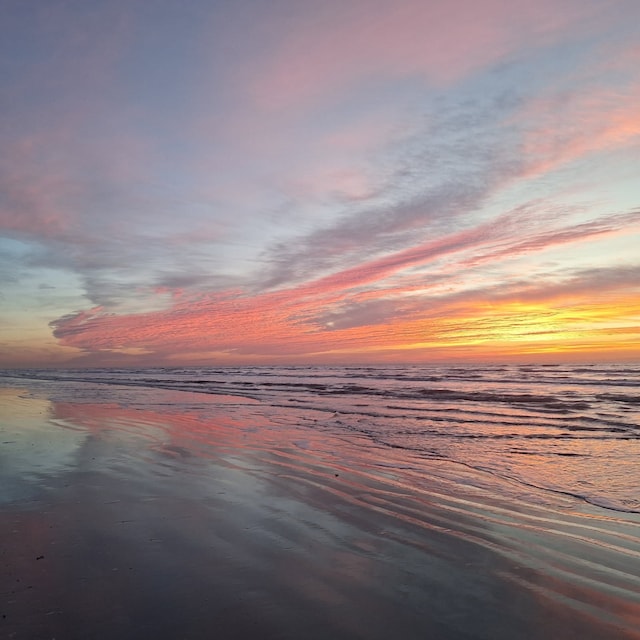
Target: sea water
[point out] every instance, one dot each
(557, 429)
(449, 502)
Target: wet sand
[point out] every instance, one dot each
(148, 513)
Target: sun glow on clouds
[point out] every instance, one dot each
(308, 182)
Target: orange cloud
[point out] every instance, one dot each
(286, 325)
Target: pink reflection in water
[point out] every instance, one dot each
(181, 516)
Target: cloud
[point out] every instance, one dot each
(328, 49)
(540, 241)
(440, 176)
(328, 313)
(305, 178)
(573, 125)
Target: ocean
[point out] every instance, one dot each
(333, 501)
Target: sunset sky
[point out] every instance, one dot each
(306, 181)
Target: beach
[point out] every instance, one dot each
(134, 511)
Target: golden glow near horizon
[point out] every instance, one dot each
(321, 182)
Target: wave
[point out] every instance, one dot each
(583, 419)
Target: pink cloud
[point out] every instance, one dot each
(606, 122)
(283, 325)
(48, 182)
(33, 205)
(599, 112)
(349, 309)
(619, 224)
(361, 41)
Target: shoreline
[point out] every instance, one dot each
(159, 515)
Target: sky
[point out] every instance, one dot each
(300, 182)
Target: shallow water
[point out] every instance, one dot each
(324, 502)
(573, 430)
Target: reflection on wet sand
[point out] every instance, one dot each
(170, 515)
